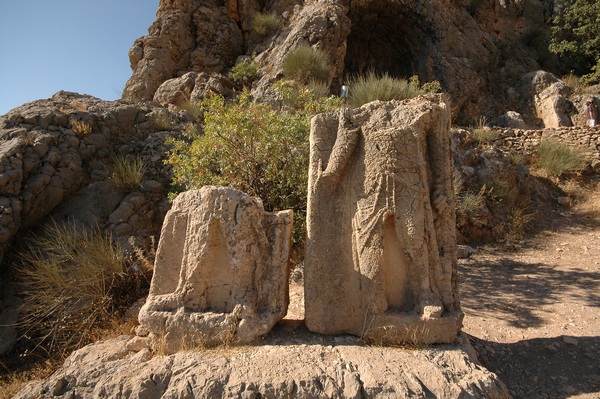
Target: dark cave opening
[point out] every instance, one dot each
(387, 37)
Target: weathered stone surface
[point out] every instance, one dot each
(381, 248)
(187, 35)
(511, 119)
(462, 46)
(221, 271)
(337, 369)
(52, 165)
(548, 97)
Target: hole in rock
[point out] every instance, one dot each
(388, 37)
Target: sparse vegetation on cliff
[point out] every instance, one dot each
(244, 73)
(265, 24)
(127, 172)
(305, 64)
(373, 86)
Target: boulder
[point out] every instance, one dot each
(547, 97)
(381, 244)
(511, 119)
(221, 270)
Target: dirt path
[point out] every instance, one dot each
(533, 311)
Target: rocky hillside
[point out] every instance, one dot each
(482, 52)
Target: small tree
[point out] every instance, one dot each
(576, 38)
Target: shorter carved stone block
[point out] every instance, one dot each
(221, 270)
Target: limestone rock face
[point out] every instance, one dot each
(221, 270)
(187, 35)
(548, 97)
(339, 369)
(462, 44)
(381, 248)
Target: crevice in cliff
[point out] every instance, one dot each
(387, 37)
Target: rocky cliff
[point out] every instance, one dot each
(478, 50)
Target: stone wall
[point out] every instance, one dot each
(523, 141)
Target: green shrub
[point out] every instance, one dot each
(575, 38)
(252, 147)
(127, 172)
(73, 280)
(244, 73)
(309, 99)
(558, 158)
(372, 86)
(305, 64)
(265, 24)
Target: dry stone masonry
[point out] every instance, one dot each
(381, 248)
(221, 270)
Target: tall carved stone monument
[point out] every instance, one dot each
(381, 248)
(221, 270)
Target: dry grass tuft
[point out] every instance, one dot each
(73, 280)
(127, 172)
(81, 127)
(557, 158)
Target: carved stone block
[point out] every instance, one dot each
(381, 248)
(221, 270)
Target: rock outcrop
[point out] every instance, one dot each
(381, 246)
(479, 51)
(309, 368)
(221, 270)
(56, 159)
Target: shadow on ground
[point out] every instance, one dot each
(551, 368)
(513, 290)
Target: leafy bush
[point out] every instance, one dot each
(372, 86)
(73, 280)
(309, 99)
(576, 38)
(252, 147)
(265, 24)
(558, 158)
(127, 172)
(305, 64)
(244, 73)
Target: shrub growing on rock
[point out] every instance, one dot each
(127, 172)
(244, 73)
(373, 86)
(265, 24)
(306, 64)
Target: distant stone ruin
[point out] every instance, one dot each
(381, 248)
(221, 271)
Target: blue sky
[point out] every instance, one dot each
(73, 45)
